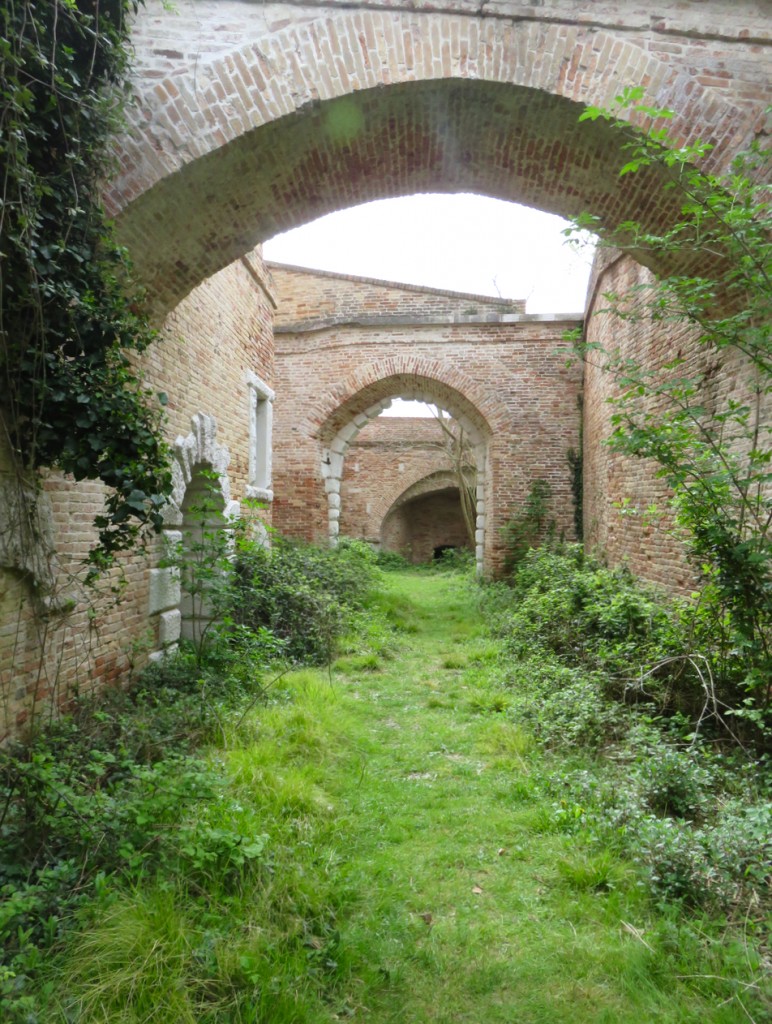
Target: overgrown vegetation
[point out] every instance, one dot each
(530, 527)
(117, 793)
(599, 662)
(421, 835)
(709, 441)
(305, 595)
(71, 397)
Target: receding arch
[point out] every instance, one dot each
(429, 380)
(438, 481)
(417, 484)
(258, 141)
(367, 393)
(438, 495)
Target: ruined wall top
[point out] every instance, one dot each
(313, 299)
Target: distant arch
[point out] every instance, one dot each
(338, 425)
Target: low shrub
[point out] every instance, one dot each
(595, 661)
(113, 792)
(461, 560)
(303, 594)
(392, 560)
(651, 649)
(561, 705)
(699, 831)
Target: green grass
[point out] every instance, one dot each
(416, 870)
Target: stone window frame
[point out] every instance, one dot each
(261, 398)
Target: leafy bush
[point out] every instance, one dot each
(713, 455)
(650, 648)
(391, 560)
(561, 705)
(113, 793)
(696, 827)
(455, 560)
(669, 793)
(303, 594)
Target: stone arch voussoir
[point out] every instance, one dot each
(197, 450)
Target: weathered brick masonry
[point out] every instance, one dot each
(499, 371)
(69, 637)
(392, 463)
(252, 118)
(618, 491)
(259, 117)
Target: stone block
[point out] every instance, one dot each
(169, 628)
(349, 432)
(172, 538)
(164, 590)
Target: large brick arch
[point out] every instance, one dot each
(430, 486)
(391, 492)
(441, 480)
(262, 125)
(502, 372)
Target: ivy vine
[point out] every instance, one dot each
(72, 397)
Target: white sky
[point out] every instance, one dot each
(464, 243)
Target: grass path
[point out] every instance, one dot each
(464, 901)
(418, 870)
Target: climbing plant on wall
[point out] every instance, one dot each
(702, 416)
(70, 394)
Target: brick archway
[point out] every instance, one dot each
(266, 126)
(439, 481)
(364, 396)
(429, 486)
(428, 380)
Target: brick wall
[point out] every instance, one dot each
(324, 297)
(619, 490)
(388, 457)
(77, 638)
(394, 101)
(222, 330)
(507, 377)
